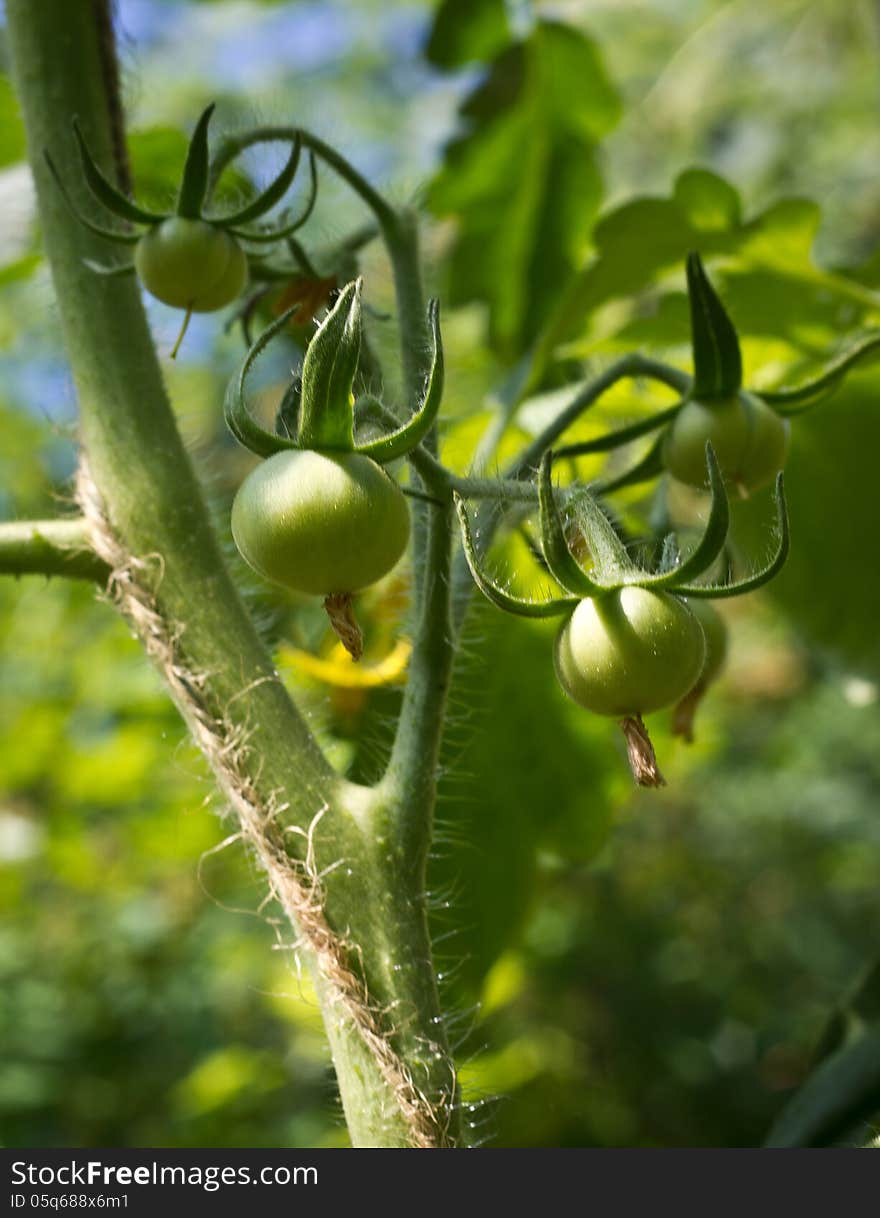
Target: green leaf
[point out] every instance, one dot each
(773, 287)
(157, 154)
(522, 182)
(714, 341)
(467, 30)
(22, 268)
(709, 203)
(517, 719)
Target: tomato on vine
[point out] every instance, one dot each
(321, 515)
(325, 524)
(715, 633)
(748, 431)
(190, 264)
(629, 652)
(630, 642)
(748, 436)
(188, 259)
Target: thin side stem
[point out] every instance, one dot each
(626, 368)
(50, 547)
(527, 461)
(410, 781)
(233, 145)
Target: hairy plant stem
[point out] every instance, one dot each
(148, 519)
(50, 547)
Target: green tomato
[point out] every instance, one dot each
(715, 633)
(191, 264)
(629, 652)
(749, 438)
(320, 523)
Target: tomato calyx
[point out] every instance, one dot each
(321, 405)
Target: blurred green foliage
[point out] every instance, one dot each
(621, 968)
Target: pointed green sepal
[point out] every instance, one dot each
(110, 234)
(560, 561)
(194, 184)
(286, 231)
(491, 590)
(273, 193)
(802, 397)
(714, 534)
(413, 431)
(106, 193)
(625, 435)
(758, 578)
(287, 414)
(717, 358)
(238, 418)
(325, 418)
(612, 564)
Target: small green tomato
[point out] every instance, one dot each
(629, 652)
(320, 523)
(191, 264)
(749, 438)
(715, 633)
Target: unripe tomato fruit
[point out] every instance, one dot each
(749, 438)
(320, 523)
(715, 633)
(629, 652)
(190, 264)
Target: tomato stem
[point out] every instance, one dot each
(183, 329)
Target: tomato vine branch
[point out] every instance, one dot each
(50, 547)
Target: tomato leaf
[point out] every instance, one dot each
(467, 30)
(522, 181)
